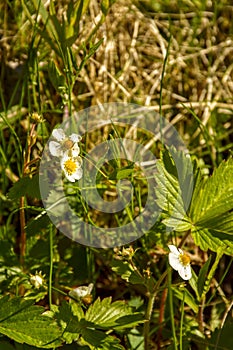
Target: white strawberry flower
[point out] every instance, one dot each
(71, 167)
(64, 144)
(180, 262)
(81, 292)
(37, 280)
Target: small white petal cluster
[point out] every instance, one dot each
(37, 280)
(180, 262)
(67, 149)
(81, 292)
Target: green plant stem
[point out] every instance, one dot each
(161, 317)
(171, 310)
(26, 162)
(161, 88)
(51, 265)
(185, 236)
(22, 243)
(200, 316)
(149, 310)
(181, 322)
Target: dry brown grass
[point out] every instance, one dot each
(199, 71)
(128, 65)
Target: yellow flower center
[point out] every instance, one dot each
(70, 166)
(184, 259)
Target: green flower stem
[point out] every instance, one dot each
(150, 306)
(149, 310)
(171, 310)
(26, 162)
(181, 322)
(200, 315)
(51, 264)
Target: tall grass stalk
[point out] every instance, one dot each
(170, 297)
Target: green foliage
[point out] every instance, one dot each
(101, 315)
(188, 298)
(174, 185)
(59, 63)
(24, 322)
(212, 201)
(126, 271)
(117, 315)
(211, 210)
(69, 322)
(26, 186)
(210, 216)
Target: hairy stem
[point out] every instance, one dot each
(161, 317)
(22, 242)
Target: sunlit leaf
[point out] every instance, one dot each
(117, 315)
(23, 322)
(174, 189)
(213, 202)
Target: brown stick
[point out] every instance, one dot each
(161, 317)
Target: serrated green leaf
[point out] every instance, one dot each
(169, 199)
(219, 224)
(117, 315)
(212, 204)
(24, 323)
(68, 322)
(207, 239)
(25, 186)
(76, 309)
(70, 317)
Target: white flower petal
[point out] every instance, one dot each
(59, 134)
(75, 137)
(174, 249)
(75, 150)
(185, 272)
(174, 261)
(55, 149)
(81, 292)
(70, 178)
(179, 261)
(75, 167)
(78, 174)
(90, 287)
(75, 153)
